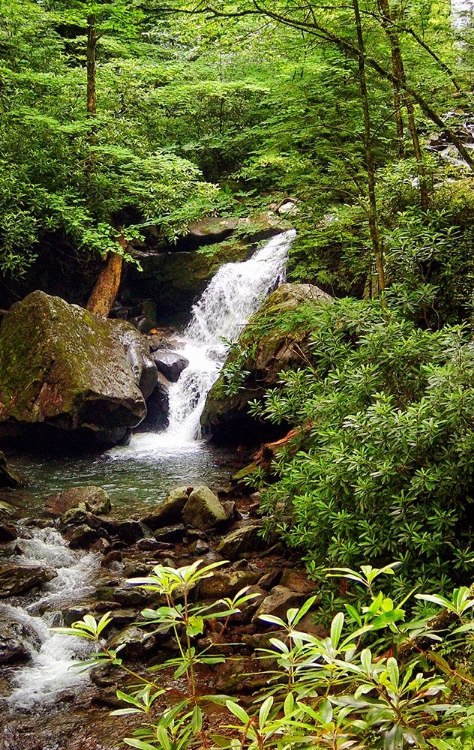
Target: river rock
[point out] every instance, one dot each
(62, 367)
(158, 406)
(81, 537)
(226, 583)
(132, 642)
(170, 533)
(16, 578)
(242, 540)
(203, 509)
(92, 499)
(12, 646)
(279, 601)
(7, 477)
(225, 418)
(169, 511)
(169, 363)
(7, 533)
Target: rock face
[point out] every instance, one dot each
(61, 367)
(169, 363)
(270, 350)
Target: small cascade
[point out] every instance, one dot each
(49, 672)
(234, 294)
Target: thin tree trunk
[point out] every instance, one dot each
(91, 66)
(398, 69)
(369, 154)
(107, 285)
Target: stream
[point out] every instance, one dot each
(136, 476)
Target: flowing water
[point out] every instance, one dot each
(135, 476)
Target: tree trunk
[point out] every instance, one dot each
(107, 285)
(91, 66)
(369, 154)
(398, 70)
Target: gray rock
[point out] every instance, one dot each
(169, 363)
(12, 646)
(169, 511)
(242, 540)
(90, 498)
(132, 642)
(203, 509)
(279, 601)
(7, 533)
(224, 583)
(16, 578)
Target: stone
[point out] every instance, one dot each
(12, 644)
(7, 476)
(7, 533)
(81, 537)
(89, 498)
(203, 509)
(169, 363)
(170, 533)
(225, 418)
(279, 601)
(62, 368)
(132, 642)
(157, 406)
(298, 581)
(127, 531)
(169, 511)
(226, 583)
(242, 540)
(17, 578)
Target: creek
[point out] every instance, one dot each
(136, 476)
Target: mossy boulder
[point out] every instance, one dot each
(61, 367)
(265, 348)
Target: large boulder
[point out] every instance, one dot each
(61, 367)
(90, 498)
(268, 349)
(7, 476)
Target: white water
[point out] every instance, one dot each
(234, 294)
(50, 670)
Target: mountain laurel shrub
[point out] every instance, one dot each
(382, 465)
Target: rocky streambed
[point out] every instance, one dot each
(88, 556)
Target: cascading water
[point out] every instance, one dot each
(49, 672)
(236, 291)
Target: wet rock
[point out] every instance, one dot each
(7, 533)
(7, 477)
(148, 545)
(102, 546)
(280, 600)
(12, 646)
(199, 547)
(170, 533)
(203, 509)
(16, 578)
(127, 531)
(242, 540)
(81, 537)
(169, 511)
(169, 363)
(93, 499)
(132, 642)
(158, 406)
(225, 418)
(63, 368)
(225, 583)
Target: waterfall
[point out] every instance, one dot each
(233, 295)
(49, 671)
